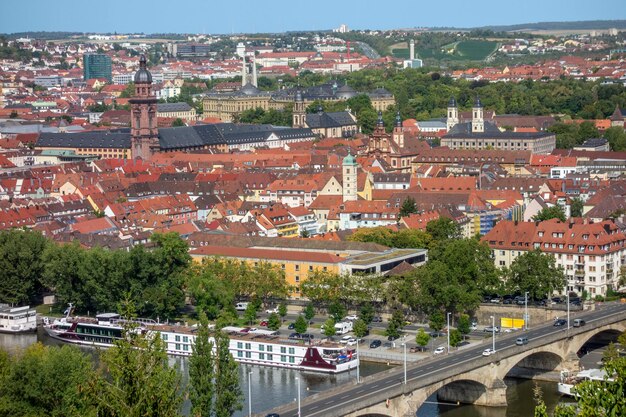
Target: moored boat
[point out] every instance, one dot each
(15, 320)
(567, 384)
(250, 346)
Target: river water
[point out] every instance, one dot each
(271, 387)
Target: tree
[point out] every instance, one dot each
(210, 294)
(554, 212)
(301, 325)
(455, 337)
(202, 371)
(463, 325)
(437, 321)
(178, 122)
(443, 228)
(576, 207)
(46, 381)
(360, 328)
(273, 322)
(329, 327)
(535, 272)
(228, 395)
(337, 311)
(140, 382)
(367, 313)
(616, 137)
(422, 338)
(309, 312)
(408, 207)
(392, 330)
(282, 311)
(251, 313)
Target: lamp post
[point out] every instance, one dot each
(298, 379)
(250, 393)
(493, 333)
(358, 363)
(526, 310)
(448, 320)
(568, 309)
(404, 345)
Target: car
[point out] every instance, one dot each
(263, 323)
(507, 301)
(436, 334)
(352, 317)
(345, 339)
(439, 350)
(579, 322)
(488, 352)
(307, 336)
(291, 326)
(559, 322)
(490, 329)
(520, 341)
(495, 301)
(463, 343)
(388, 344)
(473, 327)
(392, 338)
(295, 336)
(377, 319)
(351, 342)
(272, 310)
(375, 344)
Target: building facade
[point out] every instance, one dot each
(96, 66)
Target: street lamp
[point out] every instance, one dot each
(358, 362)
(404, 345)
(568, 309)
(250, 393)
(493, 333)
(298, 379)
(526, 310)
(448, 319)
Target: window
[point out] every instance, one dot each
(177, 346)
(248, 346)
(292, 351)
(239, 354)
(283, 349)
(261, 348)
(310, 267)
(248, 354)
(164, 337)
(297, 267)
(269, 349)
(261, 355)
(292, 359)
(283, 358)
(185, 339)
(177, 338)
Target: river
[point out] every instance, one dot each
(275, 386)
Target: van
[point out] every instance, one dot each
(241, 306)
(520, 341)
(579, 322)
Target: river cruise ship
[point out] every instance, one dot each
(16, 320)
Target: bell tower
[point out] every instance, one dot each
(144, 134)
(478, 121)
(453, 114)
(398, 131)
(299, 111)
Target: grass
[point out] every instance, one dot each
(475, 50)
(470, 50)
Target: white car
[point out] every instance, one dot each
(345, 339)
(439, 350)
(488, 352)
(352, 317)
(272, 310)
(351, 342)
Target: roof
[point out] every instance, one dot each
(326, 120)
(97, 139)
(463, 130)
(173, 107)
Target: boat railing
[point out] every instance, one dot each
(139, 321)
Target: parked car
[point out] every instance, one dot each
(272, 310)
(490, 329)
(392, 338)
(351, 342)
(495, 301)
(263, 323)
(375, 344)
(488, 352)
(436, 334)
(439, 350)
(377, 319)
(291, 326)
(559, 322)
(352, 317)
(388, 344)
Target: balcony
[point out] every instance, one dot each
(579, 273)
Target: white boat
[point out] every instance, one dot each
(16, 320)
(568, 382)
(247, 345)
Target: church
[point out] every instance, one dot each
(144, 138)
(324, 125)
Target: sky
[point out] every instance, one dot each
(254, 16)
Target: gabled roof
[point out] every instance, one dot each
(327, 120)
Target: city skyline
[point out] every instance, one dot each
(253, 17)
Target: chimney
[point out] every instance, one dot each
(412, 50)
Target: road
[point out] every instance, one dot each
(324, 404)
(368, 50)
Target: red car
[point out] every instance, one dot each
(263, 323)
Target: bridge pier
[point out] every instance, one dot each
(469, 392)
(571, 362)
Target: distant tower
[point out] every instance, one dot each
(398, 131)
(453, 114)
(412, 49)
(299, 111)
(478, 122)
(244, 73)
(254, 80)
(144, 134)
(349, 167)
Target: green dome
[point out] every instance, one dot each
(349, 160)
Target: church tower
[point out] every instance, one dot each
(299, 111)
(349, 170)
(478, 122)
(453, 114)
(144, 134)
(398, 131)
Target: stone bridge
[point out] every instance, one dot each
(466, 376)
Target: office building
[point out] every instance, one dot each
(96, 66)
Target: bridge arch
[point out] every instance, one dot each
(601, 337)
(533, 362)
(464, 390)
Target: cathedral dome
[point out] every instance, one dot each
(143, 76)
